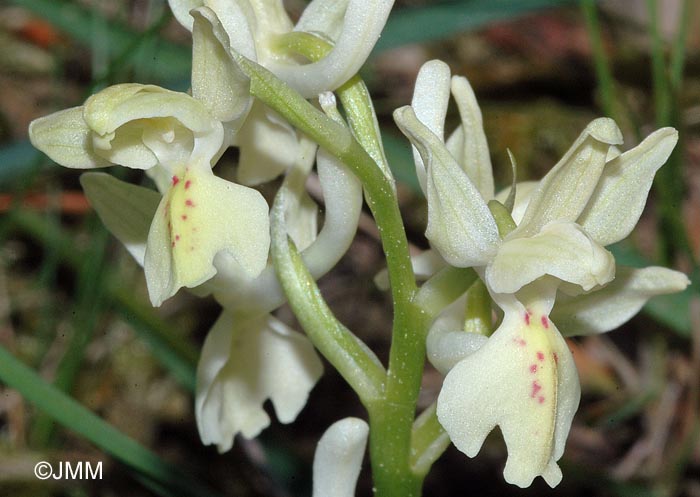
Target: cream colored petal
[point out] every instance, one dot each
(126, 147)
(447, 342)
(430, 98)
(199, 217)
(460, 225)
(618, 201)
(560, 249)
(606, 309)
(302, 211)
(238, 20)
(338, 458)
(117, 105)
(244, 363)
(65, 137)
(564, 192)
(125, 209)
(181, 11)
(424, 265)
(217, 81)
(446, 348)
(568, 397)
(161, 176)
(323, 16)
(343, 203)
(342, 193)
(362, 25)
(270, 19)
(519, 380)
(468, 142)
(269, 146)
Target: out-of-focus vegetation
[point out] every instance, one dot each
(90, 372)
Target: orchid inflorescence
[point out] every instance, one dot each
(535, 250)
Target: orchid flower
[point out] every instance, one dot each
(144, 127)
(523, 377)
(252, 28)
(229, 398)
(244, 362)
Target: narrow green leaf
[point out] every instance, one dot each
(170, 480)
(176, 355)
(351, 357)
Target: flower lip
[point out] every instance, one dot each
(560, 249)
(523, 380)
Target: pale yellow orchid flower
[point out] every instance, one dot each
(200, 217)
(244, 362)
(523, 377)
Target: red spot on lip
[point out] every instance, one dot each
(177, 237)
(540, 399)
(540, 356)
(545, 321)
(184, 217)
(536, 387)
(187, 184)
(189, 203)
(520, 342)
(527, 318)
(533, 368)
(176, 180)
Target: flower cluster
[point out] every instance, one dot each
(206, 233)
(538, 248)
(542, 261)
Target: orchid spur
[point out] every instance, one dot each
(523, 378)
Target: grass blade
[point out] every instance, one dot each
(71, 414)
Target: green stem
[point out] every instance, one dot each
(348, 355)
(391, 419)
(354, 94)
